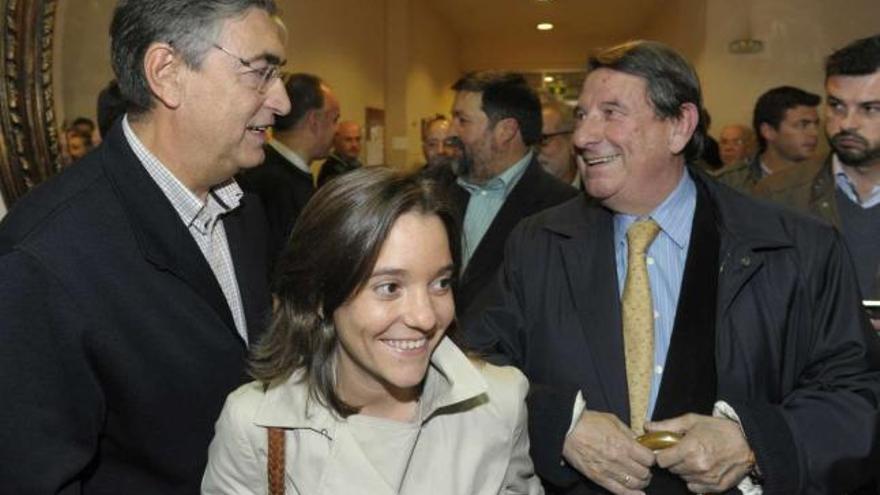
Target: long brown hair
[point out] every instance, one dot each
(331, 254)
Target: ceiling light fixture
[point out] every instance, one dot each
(544, 26)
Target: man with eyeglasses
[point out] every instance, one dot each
(496, 119)
(441, 153)
(556, 152)
(134, 283)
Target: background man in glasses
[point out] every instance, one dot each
(556, 153)
(134, 282)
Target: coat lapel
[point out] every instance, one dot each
(588, 259)
(689, 378)
(249, 259)
(740, 257)
(161, 235)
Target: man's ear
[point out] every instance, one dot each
(163, 71)
(767, 131)
(506, 130)
(683, 127)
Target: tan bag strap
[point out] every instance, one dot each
(275, 461)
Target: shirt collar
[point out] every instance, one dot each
(846, 185)
(504, 181)
(674, 215)
(221, 198)
(765, 171)
(452, 379)
(291, 156)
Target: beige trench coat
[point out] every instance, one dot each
(473, 440)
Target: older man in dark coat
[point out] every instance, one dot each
(673, 304)
(133, 283)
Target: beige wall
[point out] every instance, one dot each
(343, 42)
(433, 67)
(346, 42)
(82, 56)
(798, 35)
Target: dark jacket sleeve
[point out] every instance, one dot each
(52, 404)
(500, 334)
(819, 437)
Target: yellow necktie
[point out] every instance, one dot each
(638, 321)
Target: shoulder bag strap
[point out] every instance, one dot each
(275, 461)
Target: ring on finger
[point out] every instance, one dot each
(626, 479)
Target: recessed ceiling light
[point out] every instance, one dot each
(544, 26)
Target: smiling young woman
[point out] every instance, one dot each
(357, 370)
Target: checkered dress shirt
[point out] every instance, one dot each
(203, 219)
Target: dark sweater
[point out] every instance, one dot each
(861, 230)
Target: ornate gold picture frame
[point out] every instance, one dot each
(29, 146)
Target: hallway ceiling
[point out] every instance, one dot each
(571, 18)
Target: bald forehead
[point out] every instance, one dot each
(438, 126)
(348, 128)
(734, 131)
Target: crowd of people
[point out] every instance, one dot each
(561, 299)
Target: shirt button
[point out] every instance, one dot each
(656, 314)
(658, 370)
(650, 260)
(482, 193)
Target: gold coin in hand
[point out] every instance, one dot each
(659, 440)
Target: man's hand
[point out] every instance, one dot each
(712, 457)
(604, 450)
(875, 322)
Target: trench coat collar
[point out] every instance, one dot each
(452, 379)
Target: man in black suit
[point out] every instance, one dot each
(284, 181)
(134, 282)
(496, 117)
(346, 148)
(664, 301)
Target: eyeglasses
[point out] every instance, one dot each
(264, 76)
(545, 138)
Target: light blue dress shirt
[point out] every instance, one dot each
(848, 188)
(666, 259)
(485, 202)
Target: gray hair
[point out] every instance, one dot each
(190, 26)
(671, 82)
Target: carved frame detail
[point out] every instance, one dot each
(29, 145)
